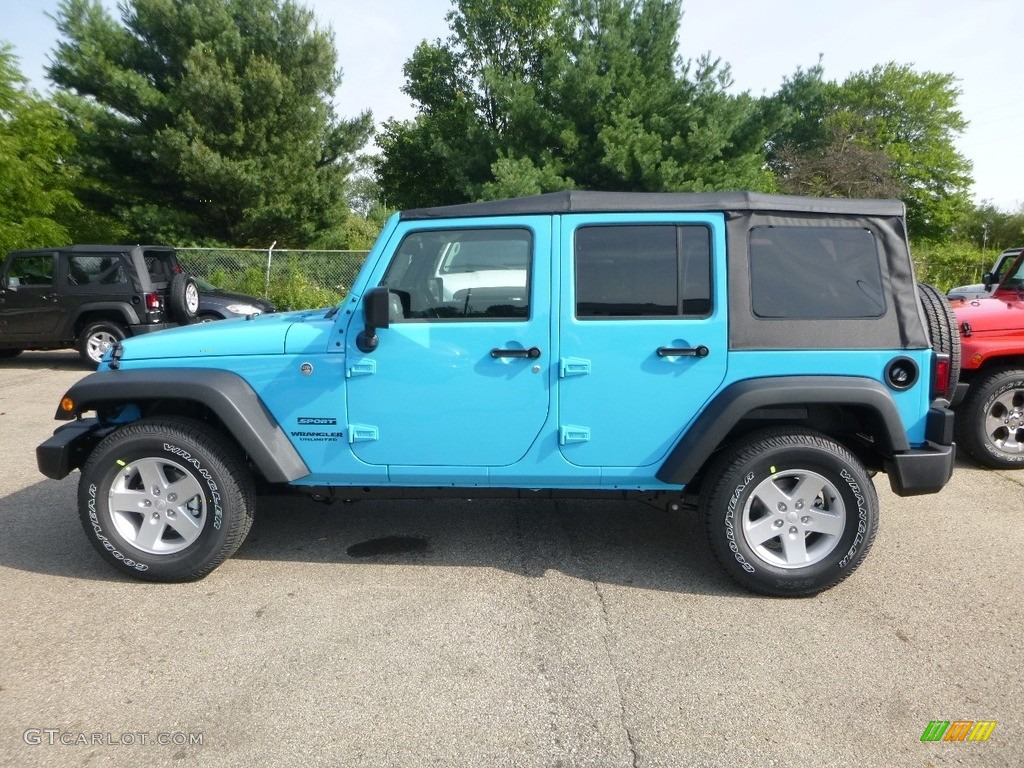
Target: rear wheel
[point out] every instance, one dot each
(789, 513)
(166, 500)
(97, 338)
(990, 421)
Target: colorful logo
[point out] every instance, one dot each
(958, 730)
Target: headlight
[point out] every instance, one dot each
(244, 309)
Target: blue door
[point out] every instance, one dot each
(459, 378)
(643, 335)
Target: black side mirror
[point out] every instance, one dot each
(376, 311)
(988, 279)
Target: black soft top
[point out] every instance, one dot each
(901, 327)
(610, 202)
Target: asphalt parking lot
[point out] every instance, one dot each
(516, 634)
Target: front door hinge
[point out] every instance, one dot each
(362, 368)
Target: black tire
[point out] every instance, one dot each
(183, 299)
(990, 421)
(96, 337)
(832, 522)
(7, 354)
(943, 330)
(145, 528)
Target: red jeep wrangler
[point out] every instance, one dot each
(989, 399)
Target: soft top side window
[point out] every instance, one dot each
(33, 269)
(803, 273)
(98, 269)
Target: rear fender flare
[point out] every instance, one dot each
(738, 400)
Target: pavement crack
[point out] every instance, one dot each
(605, 637)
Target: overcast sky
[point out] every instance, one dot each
(980, 42)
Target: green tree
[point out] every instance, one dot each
(889, 131)
(989, 227)
(207, 120)
(35, 196)
(539, 95)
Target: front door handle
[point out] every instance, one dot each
(532, 353)
(700, 351)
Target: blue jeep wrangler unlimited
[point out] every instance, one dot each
(758, 356)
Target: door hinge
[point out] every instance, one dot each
(571, 434)
(573, 366)
(362, 368)
(362, 433)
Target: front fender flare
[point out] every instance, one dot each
(738, 400)
(226, 394)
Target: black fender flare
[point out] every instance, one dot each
(80, 319)
(738, 400)
(225, 393)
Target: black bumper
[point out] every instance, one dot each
(69, 447)
(927, 469)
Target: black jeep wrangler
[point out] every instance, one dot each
(91, 296)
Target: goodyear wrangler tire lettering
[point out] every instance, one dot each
(788, 513)
(166, 499)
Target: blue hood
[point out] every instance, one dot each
(259, 335)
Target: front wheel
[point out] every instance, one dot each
(789, 513)
(990, 421)
(166, 499)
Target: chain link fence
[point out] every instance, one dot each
(292, 279)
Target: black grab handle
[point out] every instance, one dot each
(532, 353)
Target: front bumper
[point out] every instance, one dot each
(69, 447)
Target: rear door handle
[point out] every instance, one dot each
(700, 351)
(532, 353)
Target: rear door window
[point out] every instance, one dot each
(643, 271)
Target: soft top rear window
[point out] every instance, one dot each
(815, 273)
(161, 265)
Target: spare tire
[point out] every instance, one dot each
(183, 300)
(943, 330)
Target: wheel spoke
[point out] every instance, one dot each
(772, 497)
(762, 530)
(150, 532)
(824, 522)
(187, 526)
(151, 475)
(794, 547)
(809, 488)
(184, 489)
(123, 500)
